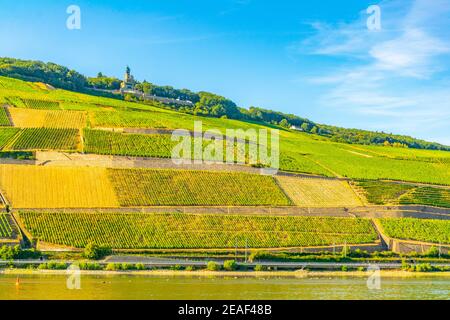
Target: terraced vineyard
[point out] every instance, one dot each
(7, 84)
(435, 231)
(15, 102)
(34, 187)
(385, 193)
(56, 187)
(6, 134)
(186, 231)
(41, 104)
(46, 139)
(133, 117)
(4, 120)
(299, 152)
(113, 143)
(6, 230)
(78, 106)
(65, 119)
(154, 145)
(296, 162)
(378, 192)
(382, 168)
(427, 196)
(120, 119)
(316, 192)
(26, 118)
(145, 187)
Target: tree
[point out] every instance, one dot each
(213, 266)
(102, 82)
(95, 252)
(260, 268)
(37, 71)
(230, 265)
(284, 123)
(212, 104)
(433, 252)
(130, 97)
(305, 126)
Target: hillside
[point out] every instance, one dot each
(201, 103)
(77, 169)
(37, 117)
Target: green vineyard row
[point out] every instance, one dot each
(436, 231)
(6, 230)
(187, 231)
(147, 187)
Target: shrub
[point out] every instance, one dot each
(255, 256)
(95, 252)
(190, 268)
(176, 267)
(213, 266)
(432, 252)
(345, 251)
(424, 267)
(140, 266)
(89, 266)
(344, 268)
(9, 253)
(260, 267)
(113, 267)
(263, 255)
(52, 265)
(358, 253)
(230, 265)
(127, 266)
(42, 266)
(405, 265)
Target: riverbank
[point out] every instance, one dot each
(205, 273)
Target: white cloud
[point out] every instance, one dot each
(411, 54)
(393, 73)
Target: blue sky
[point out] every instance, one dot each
(316, 59)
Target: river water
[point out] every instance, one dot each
(132, 287)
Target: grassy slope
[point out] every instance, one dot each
(299, 152)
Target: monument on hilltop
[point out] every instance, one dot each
(128, 82)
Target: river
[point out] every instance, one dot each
(132, 287)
